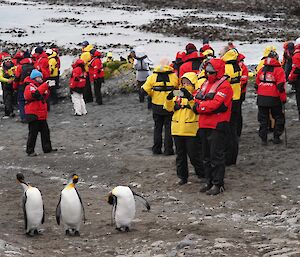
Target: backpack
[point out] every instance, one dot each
(26, 70)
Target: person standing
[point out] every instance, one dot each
(192, 60)
(244, 82)
(86, 57)
(287, 61)
(271, 95)
(142, 66)
(96, 74)
(184, 128)
(36, 94)
(7, 78)
(213, 102)
(294, 77)
(77, 84)
(234, 73)
(158, 86)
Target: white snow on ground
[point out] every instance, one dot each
(69, 35)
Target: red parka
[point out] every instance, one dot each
(35, 96)
(244, 77)
(192, 63)
(96, 67)
(42, 65)
(77, 81)
(295, 72)
(23, 70)
(270, 81)
(214, 100)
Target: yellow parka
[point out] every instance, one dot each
(184, 120)
(53, 66)
(86, 56)
(159, 84)
(233, 70)
(267, 50)
(7, 75)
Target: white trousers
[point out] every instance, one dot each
(78, 103)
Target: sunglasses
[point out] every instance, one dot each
(211, 72)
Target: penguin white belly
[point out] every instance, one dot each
(71, 210)
(125, 211)
(34, 208)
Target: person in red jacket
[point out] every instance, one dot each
(193, 60)
(96, 74)
(294, 77)
(180, 59)
(244, 82)
(41, 62)
(77, 84)
(271, 95)
(36, 94)
(213, 103)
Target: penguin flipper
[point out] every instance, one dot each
(58, 212)
(142, 200)
(113, 211)
(24, 209)
(84, 218)
(43, 219)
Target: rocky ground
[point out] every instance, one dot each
(258, 215)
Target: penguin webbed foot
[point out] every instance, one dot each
(29, 233)
(68, 232)
(123, 229)
(76, 233)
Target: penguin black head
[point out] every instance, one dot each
(111, 199)
(75, 178)
(20, 177)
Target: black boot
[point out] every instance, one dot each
(205, 188)
(215, 190)
(277, 140)
(181, 182)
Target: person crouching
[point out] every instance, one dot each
(184, 127)
(36, 113)
(213, 102)
(77, 84)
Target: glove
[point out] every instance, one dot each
(186, 94)
(170, 96)
(195, 108)
(177, 107)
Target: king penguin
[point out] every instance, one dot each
(122, 198)
(70, 209)
(33, 207)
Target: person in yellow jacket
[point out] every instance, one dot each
(86, 57)
(54, 75)
(234, 73)
(185, 127)
(267, 51)
(158, 85)
(208, 54)
(109, 57)
(6, 78)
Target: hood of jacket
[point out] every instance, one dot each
(87, 48)
(230, 55)
(268, 49)
(78, 63)
(194, 55)
(219, 66)
(161, 69)
(53, 55)
(272, 62)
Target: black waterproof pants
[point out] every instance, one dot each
(97, 90)
(263, 119)
(162, 121)
(232, 139)
(53, 98)
(213, 148)
(8, 101)
(297, 88)
(191, 147)
(87, 90)
(34, 128)
(142, 94)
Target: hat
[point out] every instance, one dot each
(49, 51)
(26, 54)
(35, 73)
(273, 54)
(190, 47)
(6, 58)
(93, 51)
(85, 43)
(38, 50)
(297, 42)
